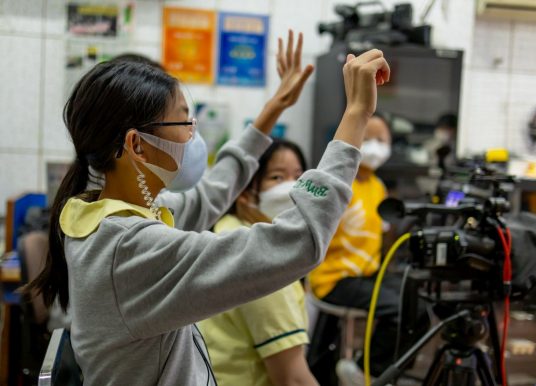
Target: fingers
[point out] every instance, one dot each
(380, 68)
(371, 62)
(290, 46)
(298, 52)
(303, 77)
(369, 56)
(281, 63)
(308, 70)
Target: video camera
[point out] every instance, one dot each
(378, 26)
(459, 236)
(458, 250)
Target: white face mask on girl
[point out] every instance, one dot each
(277, 199)
(374, 153)
(174, 149)
(194, 164)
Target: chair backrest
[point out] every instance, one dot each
(32, 249)
(59, 366)
(16, 211)
(339, 311)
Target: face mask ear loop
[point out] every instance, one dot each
(145, 192)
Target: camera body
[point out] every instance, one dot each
(459, 240)
(444, 246)
(377, 26)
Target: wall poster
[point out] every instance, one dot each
(242, 53)
(188, 44)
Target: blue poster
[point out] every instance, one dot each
(243, 43)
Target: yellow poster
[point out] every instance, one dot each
(188, 43)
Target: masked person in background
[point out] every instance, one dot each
(347, 275)
(261, 343)
(441, 147)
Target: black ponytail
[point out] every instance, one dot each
(52, 281)
(110, 99)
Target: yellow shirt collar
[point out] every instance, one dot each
(80, 218)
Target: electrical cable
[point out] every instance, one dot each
(506, 241)
(400, 305)
(374, 300)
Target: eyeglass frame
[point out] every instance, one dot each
(192, 123)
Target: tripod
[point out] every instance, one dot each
(453, 367)
(465, 320)
(459, 361)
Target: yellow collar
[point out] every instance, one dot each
(80, 218)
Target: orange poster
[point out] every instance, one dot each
(188, 43)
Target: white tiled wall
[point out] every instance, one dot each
(499, 86)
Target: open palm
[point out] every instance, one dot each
(290, 71)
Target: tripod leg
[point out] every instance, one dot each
(483, 368)
(436, 368)
(495, 343)
(460, 370)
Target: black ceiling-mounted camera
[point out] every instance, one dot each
(377, 26)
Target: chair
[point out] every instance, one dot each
(347, 316)
(328, 367)
(34, 336)
(59, 366)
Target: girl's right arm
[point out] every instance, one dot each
(164, 278)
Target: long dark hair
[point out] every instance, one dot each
(110, 99)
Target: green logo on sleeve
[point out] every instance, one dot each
(310, 187)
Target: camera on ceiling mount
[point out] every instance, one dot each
(370, 23)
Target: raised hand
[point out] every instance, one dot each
(290, 70)
(362, 75)
(293, 78)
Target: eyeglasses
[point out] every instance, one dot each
(192, 123)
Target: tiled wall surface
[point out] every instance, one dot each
(500, 93)
(499, 81)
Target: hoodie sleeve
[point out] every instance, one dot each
(165, 278)
(199, 208)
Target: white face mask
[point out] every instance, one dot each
(374, 153)
(276, 199)
(174, 149)
(194, 163)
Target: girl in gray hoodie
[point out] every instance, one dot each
(138, 276)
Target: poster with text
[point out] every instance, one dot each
(242, 54)
(188, 43)
(92, 19)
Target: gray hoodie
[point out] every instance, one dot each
(137, 285)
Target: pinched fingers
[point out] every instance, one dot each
(368, 56)
(379, 68)
(370, 63)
